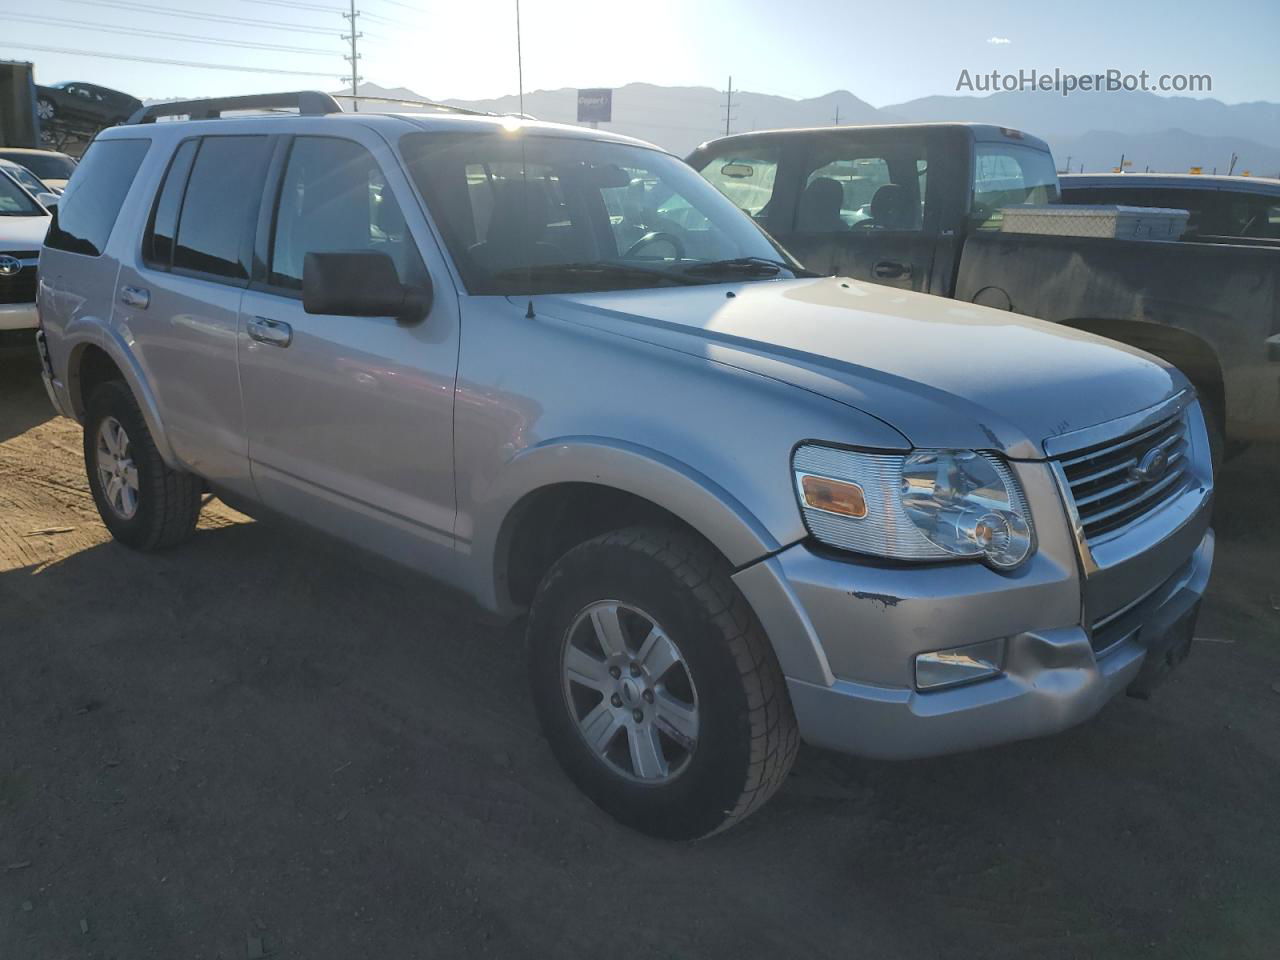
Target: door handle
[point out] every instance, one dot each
(139, 297)
(265, 330)
(891, 270)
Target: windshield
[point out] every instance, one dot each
(16, 202)
(528, 214)
(46, 166)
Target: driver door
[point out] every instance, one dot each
(350, 419)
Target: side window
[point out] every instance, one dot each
(87, 212)
(220, 205)
(859, 187)
(334, 198)
(157, 244)
(747, 178)
(1009, 175)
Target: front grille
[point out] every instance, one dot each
(1108, 487)
(20, 288)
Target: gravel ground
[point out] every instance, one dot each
(260, 745)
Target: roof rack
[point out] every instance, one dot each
(417, 103)
(309, 103)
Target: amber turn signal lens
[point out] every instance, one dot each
(834, 496)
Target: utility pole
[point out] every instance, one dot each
(519, 61)
(354, 55)
(837, 123)
(1068, 170)
(728, 107)
(1232, 168)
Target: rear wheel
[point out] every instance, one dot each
(143, 502)
(656, 686)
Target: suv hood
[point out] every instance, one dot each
(23, 233)
(941, 372)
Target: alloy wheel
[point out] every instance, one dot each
(630, 692)
(117, 473)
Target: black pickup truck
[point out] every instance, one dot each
(919, 206)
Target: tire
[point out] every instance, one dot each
(745, 736)
(165, 502)
(1217, 441)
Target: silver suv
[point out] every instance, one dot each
(741, 506)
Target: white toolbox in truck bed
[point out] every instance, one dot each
(1114, 222)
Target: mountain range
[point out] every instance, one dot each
(1093, 130)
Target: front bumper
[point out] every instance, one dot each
(1052, 680)
(17, 316)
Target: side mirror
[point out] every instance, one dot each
(47, 200)
(361, 283)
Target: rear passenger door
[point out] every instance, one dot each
(181, 298)
(350, 419)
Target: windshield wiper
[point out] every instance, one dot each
(593, 270)
(749, 266)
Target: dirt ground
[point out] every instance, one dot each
(258, 745)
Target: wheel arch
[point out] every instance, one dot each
(93, 360)
(561, 493)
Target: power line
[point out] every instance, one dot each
(165, 35)
(211, 17)
(296, 5)
(172, 63)
(379, 18)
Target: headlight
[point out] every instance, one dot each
(928, 505)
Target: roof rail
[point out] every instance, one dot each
(309, 103)
(417, 103)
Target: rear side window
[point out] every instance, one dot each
(157, 246)
(88, 210)
(221, 203)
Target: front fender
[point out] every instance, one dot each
(642, 471)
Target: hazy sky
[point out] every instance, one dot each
(884, 53)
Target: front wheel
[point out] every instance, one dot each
(143, 502)
(656, 686)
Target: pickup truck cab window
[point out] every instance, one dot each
(545, 214)
(873, 188)
(1009, 175)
